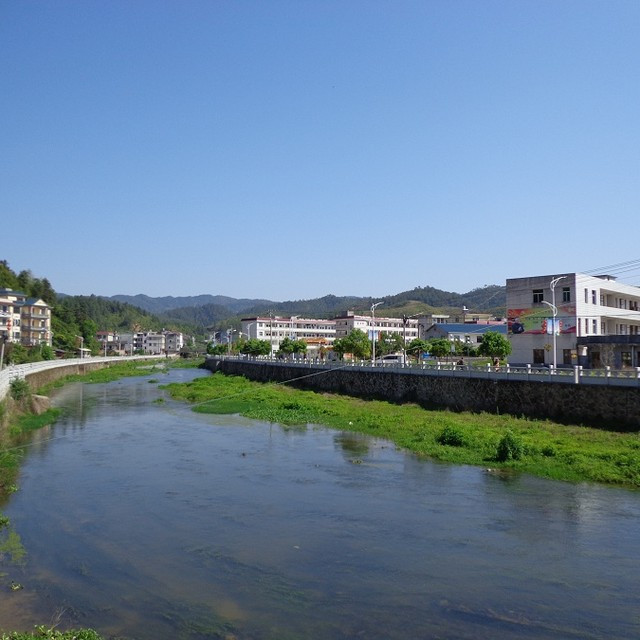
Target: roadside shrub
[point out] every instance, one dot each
(452, 437)
(19, 389)
(548, 451)
(510, 447)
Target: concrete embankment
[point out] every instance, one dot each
(609, 407)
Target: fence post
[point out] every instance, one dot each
(576, 374)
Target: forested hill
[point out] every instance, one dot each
(82, 315)
(490, 299)
(166, 304)
(74, 316)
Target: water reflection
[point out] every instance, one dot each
(146, 520)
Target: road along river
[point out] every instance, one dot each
(142, 519)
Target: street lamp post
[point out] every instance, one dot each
(554, 310)
(405, 322)
(373, 330)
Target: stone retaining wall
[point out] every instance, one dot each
(38, 379)
(609, 407)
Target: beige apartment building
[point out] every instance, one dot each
(24, 320)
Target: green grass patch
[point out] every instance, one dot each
(109, 374)
(539, 447)
(30, 422)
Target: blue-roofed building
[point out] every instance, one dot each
(467, 333)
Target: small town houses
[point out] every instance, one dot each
(568, 319)
(320, 334)
(146, 342)
(27, 321)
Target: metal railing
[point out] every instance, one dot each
(548, 374)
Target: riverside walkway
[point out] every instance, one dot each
(629, 377)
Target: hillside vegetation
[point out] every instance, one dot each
(223, 312)
(77, 316)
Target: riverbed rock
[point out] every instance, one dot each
(40, 404)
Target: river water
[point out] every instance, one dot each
(142, 519)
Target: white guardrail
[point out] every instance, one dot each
(568, 375)
(11, 372)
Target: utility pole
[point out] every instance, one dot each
(373, 331)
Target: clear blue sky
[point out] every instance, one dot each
(292, 149)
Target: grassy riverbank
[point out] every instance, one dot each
(542, 448)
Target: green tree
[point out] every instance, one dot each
(389, 343)
(88, 330)
(417, 347)
(216, 349)
(356, 343)
(463, 348)
(494, 345)
(439, 347)
(16, 353)
(255, 347)
(47, 352)
(286, 346)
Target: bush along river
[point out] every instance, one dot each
(139, 518)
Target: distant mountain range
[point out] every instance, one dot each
(167, 303)
(211, 310)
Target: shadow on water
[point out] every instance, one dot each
(145, 520)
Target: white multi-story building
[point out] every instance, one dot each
(154, 342)
(24, 320)
(174, 341)
(374, 326)
(274, 329)
(149, 342)
(596, 320)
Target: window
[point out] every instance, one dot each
(593, 296)
(603, 328)
(586, 295)
(586, 326)
(538, 296)
(594, 326)
(538, 356)
(566, 294)
(566, 356)
(625, 356)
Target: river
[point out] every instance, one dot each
(142, 519)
